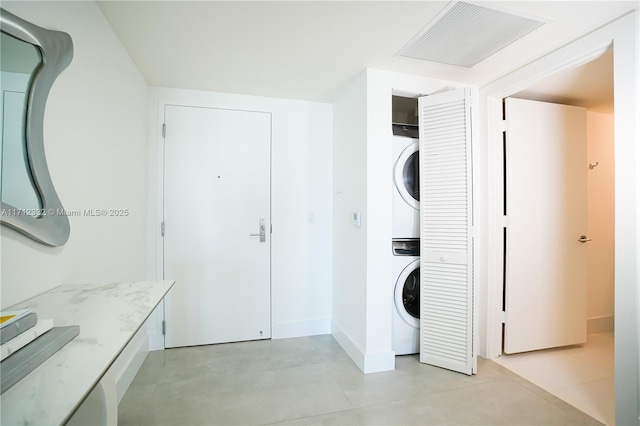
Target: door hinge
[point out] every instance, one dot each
(505, 222)
(503, 317)
(164, 130)
(162, 229)
(164, 327)
(271, 228)
(503, 125)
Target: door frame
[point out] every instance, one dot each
(265, 301)
(156, 201)
(619, 34)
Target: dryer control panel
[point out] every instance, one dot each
(406, 247)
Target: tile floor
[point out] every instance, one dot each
(311, 381)
(580, 375)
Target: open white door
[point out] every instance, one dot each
(546, 263)
(446, 245)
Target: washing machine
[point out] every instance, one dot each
(406, 296)
(406, 187)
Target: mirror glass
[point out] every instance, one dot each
(31, 58)
(18, 63)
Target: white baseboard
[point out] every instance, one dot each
(354, 352)
(154, 329)
(156, 342)
(148, 338)
(126, 366)
(371, 362)
(379, 361)
(600, 324)
(285, 330)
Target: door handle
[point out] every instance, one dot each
(584, 239)
(263, 232)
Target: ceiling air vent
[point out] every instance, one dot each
(465, 34)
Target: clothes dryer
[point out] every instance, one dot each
(406, 296)
(406, 188)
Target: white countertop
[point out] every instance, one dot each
(108, 315)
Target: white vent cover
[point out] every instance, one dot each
(465, 34)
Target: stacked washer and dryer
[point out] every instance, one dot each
(406, 240)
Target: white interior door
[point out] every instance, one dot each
(446, 242)
(546, 192)
(217, 225)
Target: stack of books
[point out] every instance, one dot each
(18, 329)
(26, 342)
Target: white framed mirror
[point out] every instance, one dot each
(31, 58)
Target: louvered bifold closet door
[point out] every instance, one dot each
(446, 308)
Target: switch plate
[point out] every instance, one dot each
(356, 219)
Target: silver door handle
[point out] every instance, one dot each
(263, 232)
(584, 239)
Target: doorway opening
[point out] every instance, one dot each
(582, 375)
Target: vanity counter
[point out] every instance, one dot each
(108, 315)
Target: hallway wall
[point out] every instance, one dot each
(96, 146)
(601, 225)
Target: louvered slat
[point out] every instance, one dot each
(445, 208)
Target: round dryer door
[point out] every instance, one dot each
(407, 175)
(407, 294)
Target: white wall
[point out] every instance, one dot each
(301, 186)
(350, 196)
(601, 224)
(95, 141)
(363, 167)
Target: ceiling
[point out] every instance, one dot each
(589, 86)
(312, 49)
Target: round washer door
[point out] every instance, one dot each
(407, 294)
(407, 175)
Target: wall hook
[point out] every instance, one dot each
(593, 165)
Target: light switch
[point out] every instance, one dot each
(356, 219)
